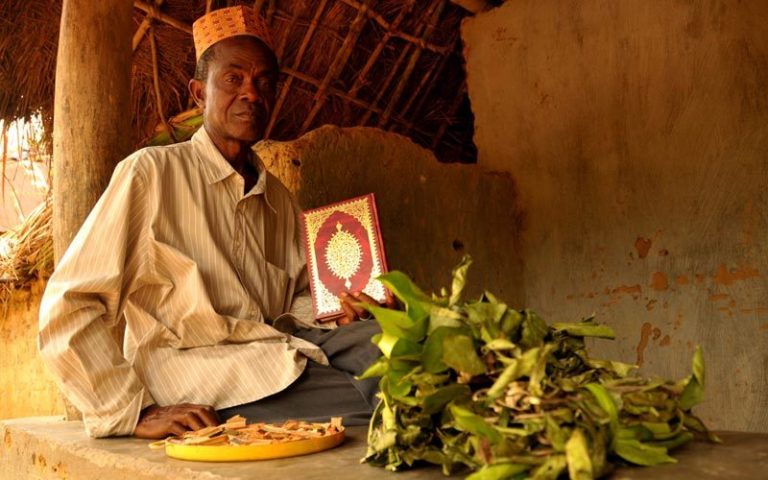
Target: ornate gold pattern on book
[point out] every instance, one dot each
(343, 255)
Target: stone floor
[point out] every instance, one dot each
(49, 448)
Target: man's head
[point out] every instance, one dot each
(235, 77)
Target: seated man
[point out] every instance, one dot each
(161, 317)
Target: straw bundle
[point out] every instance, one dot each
(28, 249)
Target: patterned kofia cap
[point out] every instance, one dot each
(228, 22)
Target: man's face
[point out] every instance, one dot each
(239, 91)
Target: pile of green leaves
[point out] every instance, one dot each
(483, 386)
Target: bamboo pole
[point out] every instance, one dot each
(296, 64)
(449, 116)
(360, 80)
(357, 102)
(337, 64)
(427, 82)
(420, 42)
(406, 75)
(384, 87)
(152, 11)
(143, 27)
(291, 24)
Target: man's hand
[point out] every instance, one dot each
(353, 311)
(160, 422)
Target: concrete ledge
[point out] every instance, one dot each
(50, 448)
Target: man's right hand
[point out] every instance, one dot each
(160, 422)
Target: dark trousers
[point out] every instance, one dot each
(323, 391)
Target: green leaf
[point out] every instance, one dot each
(540, 371)
(640, 453)
(510, 323)
(619, 368)
(377, 369)
(634, 432)
(680, 439)
(406, 291)
(517, 367)
(482, 313)
(405, 356)
(432, 357)
(467, 421)
(694, 423)
(486, 317)
(443, 317)
(693, 394)
(397, 387)
(499, 471)
(385, 342)
(436, 401)
(577, 455)
(459, 353)
(551, 468)
(398, 323)
(500, 345)
(587, 328)
(606, 402)
(557, 435)
(659, 430)
(459, 280)
(534, 330)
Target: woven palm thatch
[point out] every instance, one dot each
(395, 64)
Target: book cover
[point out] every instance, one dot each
(345, 253)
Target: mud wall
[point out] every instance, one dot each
(637, 133)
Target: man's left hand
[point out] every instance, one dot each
(353, 311)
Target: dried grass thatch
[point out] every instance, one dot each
(29, 32)
(395, 64)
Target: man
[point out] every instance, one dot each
(169, 308)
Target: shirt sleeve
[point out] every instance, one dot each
(80, 315)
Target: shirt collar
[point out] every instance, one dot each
(216, 168)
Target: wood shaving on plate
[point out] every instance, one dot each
(236, 431)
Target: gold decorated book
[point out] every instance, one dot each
(344, 252)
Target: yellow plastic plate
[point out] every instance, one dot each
(242, 453)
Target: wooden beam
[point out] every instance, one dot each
(338, 63)
(143, 27)
(438, 7)
(92, 121)
(154, 12)
(385, 25)
(296, 64)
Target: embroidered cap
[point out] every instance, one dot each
(225, 23)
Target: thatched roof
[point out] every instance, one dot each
(395, 64)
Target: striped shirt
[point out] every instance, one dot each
(168, 292)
